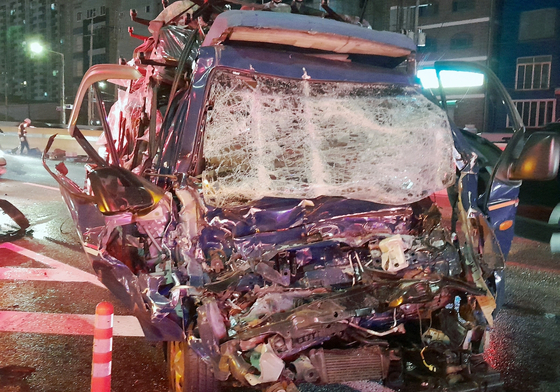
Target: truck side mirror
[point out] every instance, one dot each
(117, 190)
(538, 160)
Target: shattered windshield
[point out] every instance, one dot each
(267, 136)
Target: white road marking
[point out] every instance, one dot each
(56, 323)
(59, 272)
(52, 188)
(64, 324)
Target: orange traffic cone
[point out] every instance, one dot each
(102, 348)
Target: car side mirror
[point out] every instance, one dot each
(538, 160)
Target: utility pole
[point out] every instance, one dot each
(416, 14)
(400, 16)
(62, 98)
(419, 36)
(90, 92)
(6, 89)
(62, 102)
(27, 85)
(5, 69)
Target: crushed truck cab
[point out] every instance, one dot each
(263, 203)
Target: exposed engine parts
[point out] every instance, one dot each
(300, 294)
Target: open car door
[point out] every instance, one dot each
(526, 156)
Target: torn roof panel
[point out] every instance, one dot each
(306, 32)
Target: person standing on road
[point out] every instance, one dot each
(22, 133)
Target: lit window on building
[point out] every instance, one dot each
(533, 73)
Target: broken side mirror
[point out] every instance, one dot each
(538, 160)
(116, 190)
(98, 73)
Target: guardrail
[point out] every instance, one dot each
(38, 137)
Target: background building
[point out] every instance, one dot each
(31, 85)
(100, 35)
(528, 58)
(520, 40)
(461, 30)
(24, 79)
(107, 22)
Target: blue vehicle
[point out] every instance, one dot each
(264, 204)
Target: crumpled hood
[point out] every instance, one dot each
(308, 243)
(271, 225)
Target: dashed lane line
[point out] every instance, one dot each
(58, 272)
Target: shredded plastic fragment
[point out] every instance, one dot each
(392, 257)
(269, 365)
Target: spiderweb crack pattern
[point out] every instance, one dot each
(268, 136)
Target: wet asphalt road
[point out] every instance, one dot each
(60, 363)
(525, 346)
(526, 342)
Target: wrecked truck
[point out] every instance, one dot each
(264, 204)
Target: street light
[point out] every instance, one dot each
(38, 48)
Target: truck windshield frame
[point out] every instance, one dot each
(271, 136)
